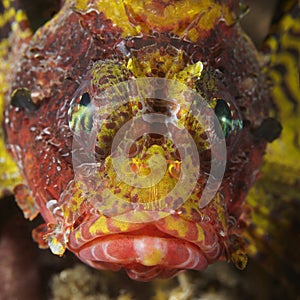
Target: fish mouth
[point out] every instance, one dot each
(144, 257)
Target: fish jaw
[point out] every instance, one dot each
(146, 251)
(143, 257)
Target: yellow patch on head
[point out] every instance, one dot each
(113, 10)
(163, 64)
(135, 16)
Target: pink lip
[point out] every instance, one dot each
(145, 251)
(143, 257)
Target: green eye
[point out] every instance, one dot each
(224, 116)
(81, 115)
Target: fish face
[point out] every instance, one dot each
(135, 139)
(137, 169)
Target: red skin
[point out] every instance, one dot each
(53, 67)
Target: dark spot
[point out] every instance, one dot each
(107, 139)
(22, 98)
(80, 220)
(270, 129)
(85, 99)
(246, 123)
(195, 215)
(111, 125)
(39, 11)
(282, 69)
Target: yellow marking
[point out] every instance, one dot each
(113, 10)
(178, 225)
(73, 205)
(289, 22)
(6, 3)
(4, 47)
(273, 44)
(172, 66)
(134, 16)
(20, 16)
(152, 258)
(174, 169)
(201, 235)
(284, 148)
(9, 175)
(251, 248)
(100, 226)
(221, 211)
(239, 258)
(82, 4)
(7, 16)
(78, 235)
(56, 246)
(191, 72)
(123, 226)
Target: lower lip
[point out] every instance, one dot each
(143, 257)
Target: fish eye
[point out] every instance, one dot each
(224, 116)
(81, 114)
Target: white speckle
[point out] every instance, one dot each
(65, 154)
(139, 246)
(51, 203)
(35, 94)
(47, 131)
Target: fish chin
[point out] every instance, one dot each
(143, 257)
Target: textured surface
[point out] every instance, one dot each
(266, 213)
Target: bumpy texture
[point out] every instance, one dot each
(50, 82)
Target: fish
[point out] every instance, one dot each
(137, 133)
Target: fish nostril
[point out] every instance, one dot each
(22, 98)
